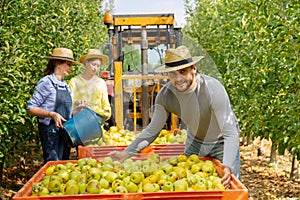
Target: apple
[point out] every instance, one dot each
(46, 180)
(49, 171)
(75, 175)
(69, 165)
(82, 178)
(60, 167)
(93, 187)
(173, 176)
(122, 174)
(131, 187)
(92, 162)
(182, 158)
(104, 183)
(94, 173)
(195, 168)
(180, 185)
(43, 191)
(111, 176)
(115, 184)
(168, 186)
(173, 160)
(181, 172)
(208, 167)
(167, 167)
(64, 174)
(192, 179)
(81, 162)
(54, 185)
(153, 178)
(82, 187)
(71, 189)
(137, 177)
(149, 187)
(85, 168)
(147, 170)
(107, 167)
(107, 160)
(120, 189)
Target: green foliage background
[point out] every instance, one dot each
(255, 45)
(30, 30)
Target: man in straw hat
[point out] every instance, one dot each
(51, 102)
(88, 88)
(202, 103)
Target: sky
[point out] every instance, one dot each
(152, 7)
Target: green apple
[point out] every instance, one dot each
(104, 183)
(195, 168)
(192, 179)
(154, 158)
(82, 178)
(168, 186)
(122, 174)
(173, 160)
(111, 176)
(71, 189)
(208, 167)
(173, 176)
(158, 172)
(219, 186)
(182, 158)
(43, 191)
(69, 165)
(120, 189)
(115, 184)
(93, 187)
(137, 177)
(149, 187)
(75, 175)
(82, 187)
(131, 187)
(107, 167)
(64, 174)
(36, 187)
(147, 170)
(54, 185)
(49, 171)
(60, 166)
(199, 186)
(167, 167)
(180, 185)
(85, 168)
(194, 158)
(81, 162)
(71, 182)
(46, 180)
(92, 162)
(94, 173)
(107, 160)
(181, 172)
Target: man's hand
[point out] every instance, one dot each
(119, 155)
(227, 177)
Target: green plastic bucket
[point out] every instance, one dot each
(83, 127)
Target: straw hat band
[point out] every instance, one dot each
(178, 63)
(62, 58)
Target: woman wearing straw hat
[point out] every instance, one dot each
(51, 102)
(88, 88)
(203, 105)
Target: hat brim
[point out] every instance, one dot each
(102, 57)
(164, 68)
(61, 58)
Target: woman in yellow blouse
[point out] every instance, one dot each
(88, 88)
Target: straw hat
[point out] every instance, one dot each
(94, 53)
(61, 54)
(178, 58)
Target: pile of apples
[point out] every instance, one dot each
(116, 137)
(105, 176)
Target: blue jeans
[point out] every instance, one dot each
(215, 150)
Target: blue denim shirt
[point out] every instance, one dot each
(45, 94)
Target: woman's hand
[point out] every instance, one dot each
(58, 119)
(80, 104)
